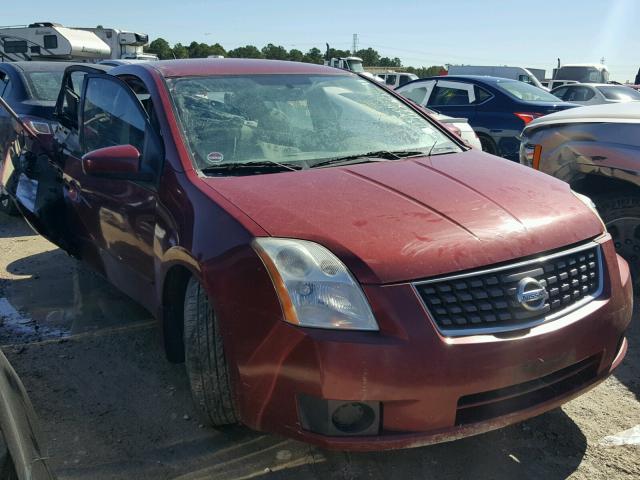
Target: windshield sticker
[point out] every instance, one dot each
(215, 157)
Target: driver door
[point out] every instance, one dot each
(116, 210)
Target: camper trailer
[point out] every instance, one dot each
(50, 41)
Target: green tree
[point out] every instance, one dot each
(161, 48)
(180, 51)
(296, 55)
(198, 50)
(248, 51)
(217, 49)
(275, 52)
(313, 56)
(369, 56)
(390, 62)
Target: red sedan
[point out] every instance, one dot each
(331, 264)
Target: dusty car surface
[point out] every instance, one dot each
(597, 151)
(331, 264)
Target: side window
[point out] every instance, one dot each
(561, 93)
(111, 116)
(404, 79)
(416, 94)
(6, 91)
(481, 95)
(50, 41)
(452, 94)
(588, 94)
(390, 80)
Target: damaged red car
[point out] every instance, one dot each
(329, 262)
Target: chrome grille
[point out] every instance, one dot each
(486, 301)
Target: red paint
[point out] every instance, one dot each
(389, 223)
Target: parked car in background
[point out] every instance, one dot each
(514, 73)
(459, 126)
(581, 73)
(396, 79)
(596, 93)
(22, 453)
(496, 108)
(596, 150)
(31, 89)
(301, 232)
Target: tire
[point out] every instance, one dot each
(205, 361)
(7, 206)
(488, 145)
(621, 215)
(7, 468)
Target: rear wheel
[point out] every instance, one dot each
(205, 359)
(621, 215)
(488, 145)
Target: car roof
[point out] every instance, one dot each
(476, 78)
(39, 66)
(609, 112)
(235, 66)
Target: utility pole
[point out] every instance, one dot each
(602, 61)
(355, 44)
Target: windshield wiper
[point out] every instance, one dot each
(377, 156)
(249, 168)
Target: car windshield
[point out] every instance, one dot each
(297, 119)
(524, 91)
(45, 85)
(621, 93)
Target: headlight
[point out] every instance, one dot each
(589, 203)
(314, 286)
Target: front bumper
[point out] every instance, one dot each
(424, 381)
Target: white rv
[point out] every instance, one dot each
(515, 73)
(50, 41)
(123, 44)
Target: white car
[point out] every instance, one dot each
(459, 126)
(596, 93)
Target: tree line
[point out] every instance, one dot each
(370, 57)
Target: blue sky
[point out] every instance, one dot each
(427, 32)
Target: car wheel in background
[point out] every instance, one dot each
(488, 145)
(7, 206)
(621, 215)
(205, 360)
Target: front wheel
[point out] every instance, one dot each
(621, 215)
(205, 359)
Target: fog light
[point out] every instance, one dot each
(353, 417)
(339, 417)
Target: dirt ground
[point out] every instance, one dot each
(112, 407)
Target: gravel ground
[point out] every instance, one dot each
(112, 407)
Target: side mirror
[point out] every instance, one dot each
(118, 161)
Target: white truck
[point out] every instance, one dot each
(579, 73)
(515, 73)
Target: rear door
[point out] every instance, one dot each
(454, 99)
(117, 214)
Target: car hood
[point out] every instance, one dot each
(609, 112)
(417, 218)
